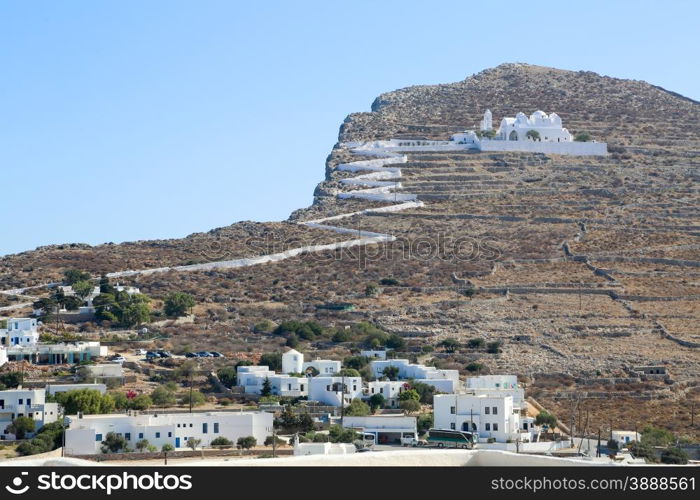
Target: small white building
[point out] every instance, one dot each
(25, 403)
(85, 434)
(103, 372)
(3, 355)
(387, 388)
(549, 128)
(626, 437)
(19, 332)
(322, 367)
(302, 449)
(330, 390)
(374, 354)
(387, 429)
(490, 416)
(56, 388)
(292, 361)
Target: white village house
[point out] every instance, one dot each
(334, 391)
(443, 380)
(25, 403)
(293, 362)
(18, 331)
(85, 434)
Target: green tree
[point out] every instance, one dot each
(141, 402)
(655, 436)
(264, 326)
(348, 372)
(410, 405)
(409, 394)
(21, 426)
(338, 434)
(356, 362)
(582, 137)
(372, 290)
(306, 423)
(246, 442)
(227, 376)
(357, 408)
(11, 379)
(178, 304)
(142, 444)
(425, 422)
(449, 345)
(113, 443)
(162, 396)
(425, 391)
(87, 401)
(193, 443)
(273, 360)
(546, 419)
(493, 347)
(266, 387)
(642, 450)
(270, 439)
(196, 397)
(391, 372)
(73, 276)
(167, 448)
(83, 289)
(376, 402)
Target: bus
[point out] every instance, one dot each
(445, 438)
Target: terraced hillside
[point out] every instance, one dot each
(583, 268)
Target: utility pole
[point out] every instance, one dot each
(274, 442)
(692, 414)
(342, 400)
(597, 453)
(191, 383)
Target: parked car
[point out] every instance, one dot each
(141, 352)
(204, 354)
(164, 354)
(150, 355)
(117, 359)
(216, 354)
(191, 355)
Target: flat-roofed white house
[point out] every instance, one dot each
(252, 379)
(390, 390)
(56, 388)
(626, 437)
(3, 355)
(387, 429)
(496, 385)
(85, 434)
(19, 332)
(70, 352)
(335, 391)
(25, 403)
(490, 416)
(443, 380)
(374, 353)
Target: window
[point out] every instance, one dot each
(487, 410)
(170, 434)
(289, 387)
(190, 425)
(127, 436)
(178, 426)
(495, 410)
(487, 427)
(157, 434)
(2, 404)
(301, 387)
(29, 402)
(495, 427)
(216, 427)
(453, 410)
(452, 426)
(20, 401)
(140, 435)
(98, 437)
(205, 428)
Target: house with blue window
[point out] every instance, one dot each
(85, 433)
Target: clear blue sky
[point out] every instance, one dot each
(125, 120)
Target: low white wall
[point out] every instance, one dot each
(560, 148)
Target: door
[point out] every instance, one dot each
(177, 442)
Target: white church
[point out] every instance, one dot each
(538, 133)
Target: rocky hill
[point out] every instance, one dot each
(582, 268)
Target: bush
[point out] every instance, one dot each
(357, 408)
(474, 367)
(272, 360)
(372, 290)
(21, 426)
(221, 442)
(113, 443)
(493, 347)
(410, 405)
(476, 343)
(163, 396)
(246, 442)
(582, 137)
(356, 362)
(227, 376)
(276, 439)
(674, 456)
(338, 434)
(87, 401)
(264, 326)
(389, 282)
